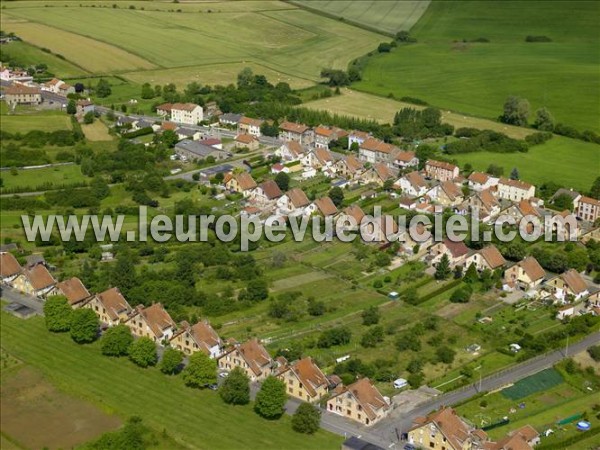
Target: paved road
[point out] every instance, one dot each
(13, 295)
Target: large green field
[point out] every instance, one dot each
(48, 122)
(290, 41)
(195, 418)
(447, 70)
(388, 16)
(565, 161)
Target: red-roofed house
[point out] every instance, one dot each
(361, 402)
(290, 131)
(456, 251)
(74, 291)
(569, 284)
(153, 322)
(9, 267)
(440, 170)
(526, 274)
(110, 306)
(515, 190)
(588, 209)
(34, 281)
(374, 150)
(251, 356)
(304, 380)
(200, 337)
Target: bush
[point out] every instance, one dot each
(84, 326)
(116, 341)
(235, 390)
(334, 336)
(594, 352)
(270, 400)
(306, 419)
(143, 352)
(538, 138)
(200, 372)
(171, 360)
(384, 47)
(531, 38)
(57, 314)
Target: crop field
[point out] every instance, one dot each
(221, 74)
(290, 41)
(388, 16)
(368, 106)
(566, 161)
(22, 123)
(35, 177)
(446, 69)
(27, 54)
(195, 418)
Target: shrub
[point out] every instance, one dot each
(143, 352)
(116, 341)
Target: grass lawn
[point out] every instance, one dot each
(290, 41)
(35, 177)
(195, 418)
(96, 131)
(381, 109)
(570, 162)
(22, 123)
(476, 78)
(388, 16)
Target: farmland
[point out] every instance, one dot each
(388, 16)
(293, 41)
(31, 178)
(96, 131)
(23, 123)
(447, 69)
(194, 418)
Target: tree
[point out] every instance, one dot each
(103, 88)
(543, 120)
(336, 77)
(71, 107)
(306, 419)
(235, 390)
(271, 398)
(471, 275)
(143, 352)
(169, 138)
(336, 195)
(200, 372)
(89, 117)
(445, 354)
(123, 274)
(372, 337)
(245, 77)
(595, 190)
(563, 201)
(116, 341)
(594, 352)
(370, 316)
(514, 174)
(171, 360)
(283, 181)
(316, 307)
(442, 270)
(384, 47)
(495, 170)
(516, 111)
(147, 91)
(57, 313)
(84, 325)
(462, 295)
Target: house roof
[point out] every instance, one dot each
(53, 82)
(356, 212)
(84, 103)
(353, 163)
(323, 155)
(493, 257)
(451, 190)
(252, 122)
(324, 131)
(169, 126)
(454, 429)
(441, 165)
(245, 181)
(326, 206)
(39, 277)
(65, 87)
(382, 171)
(189, 107)
(114, 302)
(294, 147)
(309, 374)
(298, 198)
(20, 89)
(562, 191)
(487, 198)
(230, 117)
(515, 183)
(527, 209)
(376, 145)
(211, 142)
(157, 318)
(245, 138)
(416, 179)
(532, 268)
(456, 249)
(185, 131)
(255, 355)
(405, 156)
(479, 177)
(9, 266)
(362, 135)
(73, 289)
(271, 189)
(575, 281)
(528, 432)
(202, 333)
(293, 127)
(589, 200)
(511, 442)
(165, 107)
(367, 395)
(197, 147)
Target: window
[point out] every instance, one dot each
(432, 444)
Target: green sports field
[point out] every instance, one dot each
(476, 78)
(194, 418)
(389, 16)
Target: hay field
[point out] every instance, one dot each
(96, 131)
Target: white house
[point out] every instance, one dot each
(515, 190)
